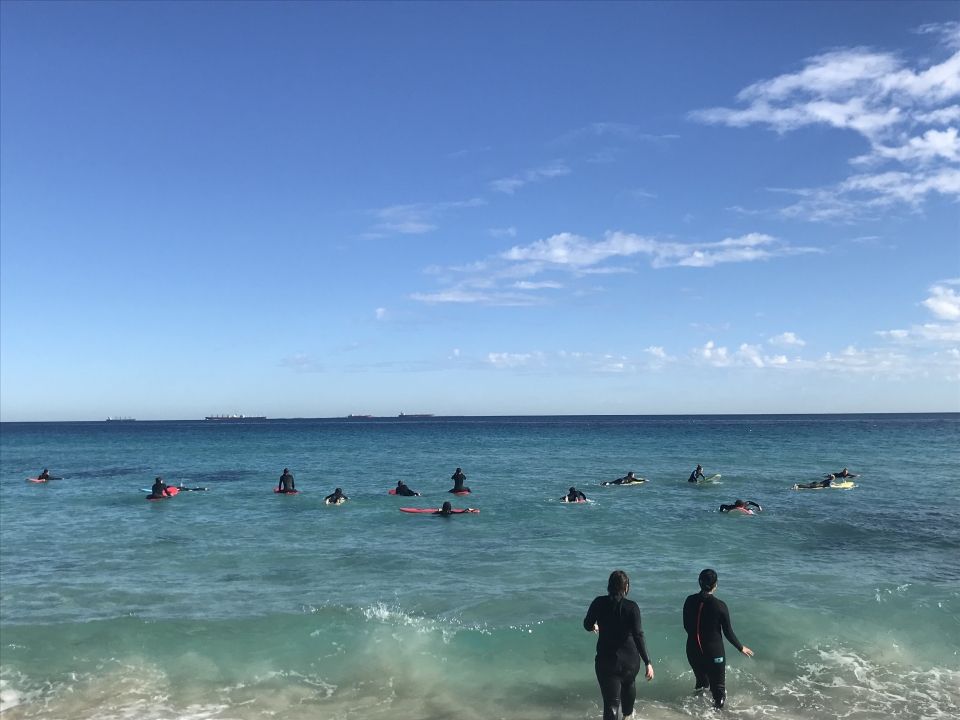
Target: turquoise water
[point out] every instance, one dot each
(239, 603)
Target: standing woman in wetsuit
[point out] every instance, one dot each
(620, 646)
(705, 618)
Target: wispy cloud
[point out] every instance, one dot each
(510, 185)
(503, 232)
(899, 110)
(301, 363)
(786, 339)
(943, 303)
(577, 252)
(615, 131)
(415, 218)
(460, 296)
(380, 313)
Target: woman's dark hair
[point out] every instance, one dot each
(618, 585)
(708, 580)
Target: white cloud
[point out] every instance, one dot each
(527, 285)
(899, 110)
(943, 302)
(380, 313)
(415, 218)
(503, 232)
(579, 253)
(656, 351)
(467, 297)
(787, 339)
(510, 185)
(514, 360)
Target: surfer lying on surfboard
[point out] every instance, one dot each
(573, 496)
(628, 479)
(741, 506)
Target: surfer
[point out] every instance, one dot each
(458, 477)
(574, 495)
(704, 618)
(825, 483)
(627, 479)
(159, 488)
(404, 489)
(741, 505)
(336, 497)
(44, 476)
(620, 646)
(842, 474)
(696, 474)
(286, 482)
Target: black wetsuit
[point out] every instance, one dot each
(286, 483)
(746, 506)
(695, 475)
(334, 498)
(705, 618)
(815, 484)
(620, 649)
(158, 490)
(405, 491)
(576, 497)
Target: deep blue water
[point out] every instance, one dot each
(238, 603)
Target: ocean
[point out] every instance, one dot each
(238, 603)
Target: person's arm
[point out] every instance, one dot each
(293, 485)
(689, 619)
(727, 628)
(725, 508)
(755, 504)
(593, 614)
(637, 632)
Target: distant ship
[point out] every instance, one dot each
(415, 415)
(351, 415)
(235, 418)
(121, 419)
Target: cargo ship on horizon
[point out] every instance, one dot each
(416, 415)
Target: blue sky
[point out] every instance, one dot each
(304, 210)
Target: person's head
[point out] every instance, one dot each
(630, 474)
(844, 471)
(338, 491)
(45, 470)
(286, 471)
(572, 491)
(458, 470)
(618, 585)
(831, 477)
(699, 467)
(707, 580)
(446, 507)
(738, 503)
(158, 479)
(400, 483)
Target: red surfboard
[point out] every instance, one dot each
(435, 511)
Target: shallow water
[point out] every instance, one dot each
(238, 603)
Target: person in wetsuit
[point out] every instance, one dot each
(574, 495)
(825, 483)
(705, 618)
(696, 475)
(336, 497)
(45, 475)
(286, 483)
(625, 480)
(458, 477)
(842, 474)
(741, 505)
(404, 489)
(159, 488)
(620, 646)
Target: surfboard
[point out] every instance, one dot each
(393, 491)
(287, 492)
(712, 480)
(341, 501)
(460, 492)
(836, 486)
(436, 511)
